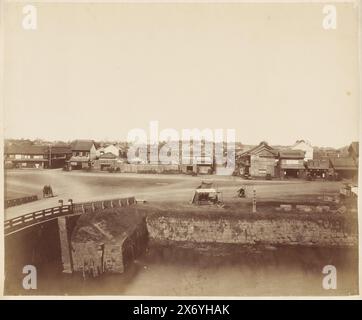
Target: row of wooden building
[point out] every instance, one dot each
(264, 161)
(261, 161)
(27, 155)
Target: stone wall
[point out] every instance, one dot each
(111, 255)
(330, 230)
(105, 241)
(93, 258)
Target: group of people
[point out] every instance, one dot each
(47, 191)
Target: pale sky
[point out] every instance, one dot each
(96, 71)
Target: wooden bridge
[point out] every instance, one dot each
(40, 216)
(29, 219)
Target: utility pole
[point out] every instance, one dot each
(50, 156)
(254, 200)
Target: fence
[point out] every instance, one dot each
(19, 201)
(35, 217)
(138, 168)
(150, 168)
(103, 204)
(51, 213)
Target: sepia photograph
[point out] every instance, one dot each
(180, 148)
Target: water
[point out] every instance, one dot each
(211, 271)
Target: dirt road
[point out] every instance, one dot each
(86, 186)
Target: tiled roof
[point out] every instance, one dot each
(25, 149)
(82, 145)
(262, 148)
(36, 149)
(291, 154)
(343, 163)
(56, 149)
(108, 155)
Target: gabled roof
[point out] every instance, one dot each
(110, 145)
(291, 154)
(205, 185)
(343, 163)
(108, 155)
(263, 150)
(82, 145)
(302, 141)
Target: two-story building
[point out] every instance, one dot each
(83, 153)
(28, 155)
(258, 162)
(319, 168)
(25, 156)
(58, 155)
(291, 163)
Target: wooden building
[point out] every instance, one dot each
(83, 153)
(291, 164)
(318, 169)
(25, 156)
(106, 161)
(258, 162)
(58, 155)
(344, 168)
(197, 165)
(36, 156)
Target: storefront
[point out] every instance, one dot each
(291, 164)
(318, 169)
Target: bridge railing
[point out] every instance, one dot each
(90, 206)
(25, 220)
(37, 216)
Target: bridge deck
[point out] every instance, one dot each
(44, 214)
(40, 204)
